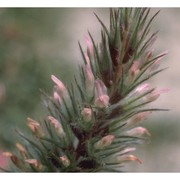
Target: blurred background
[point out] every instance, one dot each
(35, 43)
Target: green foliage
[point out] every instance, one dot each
(92, 125)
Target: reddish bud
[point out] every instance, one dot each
(35, 127)
(104, 142)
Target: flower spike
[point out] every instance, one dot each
(93, 125)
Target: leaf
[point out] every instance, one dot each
(102, 24)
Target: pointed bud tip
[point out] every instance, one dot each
(134, 158)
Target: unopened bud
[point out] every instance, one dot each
(21, 150)
(35, 127)
(142, 88)
(137, 118)
(61, 89)
(65, 161)
(56, 125)
(101, 97)
(104, 142)
(127, 158)
(35, 163)
(87, 114)
(127, 150)
(102, 101)
(138, 132)
(56, 98)
(89, 80)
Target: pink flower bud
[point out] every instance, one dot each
(142, 88)
(88, 74)
(134, 70)
(56, 98)
(87, 114)
(65, 161)
(137, 118)
(56, 125)
(138, 132)
(35, 163)
(104, 142)
(21, 150)
(102, 101)
(35, 127)
(89, 80)
(61, 89)
(127, 158)
(101, 97)
(127, 150)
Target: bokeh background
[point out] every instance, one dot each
(35, 43)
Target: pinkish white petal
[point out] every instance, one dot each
(127, 150)
(142, 88)
(56, 98)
